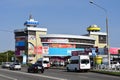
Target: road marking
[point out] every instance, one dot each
(38, 75)
(50, 77)
(7, 77)
(45, 76)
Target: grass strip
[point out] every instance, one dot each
(107, 72)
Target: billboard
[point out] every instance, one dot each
(62, 51)
(114, 50)
(58, 45)
(34, 49)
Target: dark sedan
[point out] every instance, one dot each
(36, 68)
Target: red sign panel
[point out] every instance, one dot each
(114, 50)
(76, 53)
(38, 50)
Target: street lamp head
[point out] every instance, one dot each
(91, 1)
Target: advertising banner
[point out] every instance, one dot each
(24, 59)
(62, 51)
(114, 50)
(38, 50)
(45, 49)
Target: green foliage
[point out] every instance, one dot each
(6, 56)
(107, 72)
(29, 64)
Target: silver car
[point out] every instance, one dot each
(15, 66)
(6, 64)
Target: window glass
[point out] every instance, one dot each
(74, 62)
(102, 38)
(84, 61)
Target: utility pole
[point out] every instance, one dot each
(107, 30)
(7, 57)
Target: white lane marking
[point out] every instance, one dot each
(38, 75)
(7, 77)
(50, 77)
(41, 75)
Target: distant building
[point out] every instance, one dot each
(32, 42)
(59, 46)
(28, 47)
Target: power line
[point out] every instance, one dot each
(6, 31)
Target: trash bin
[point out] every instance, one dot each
(98, 60)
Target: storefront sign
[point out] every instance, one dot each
(58, 40)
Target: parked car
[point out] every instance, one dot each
(45, 62)
(118, 67)
(36, 68)
(15, 66)
(79, 63)
(5, 64)
(115, 64)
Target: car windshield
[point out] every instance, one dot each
(45, 61)
(84, 61)
(16, 64)
(36, 65)
(113, 62)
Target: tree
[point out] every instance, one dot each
(7, 56)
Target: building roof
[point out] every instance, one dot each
(98, 33)
(65, 36)
(93, 28)
(31, 29)
(31, 22)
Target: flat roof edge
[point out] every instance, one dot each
(30, 28)
(66, 36)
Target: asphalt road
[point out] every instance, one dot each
(53, 74)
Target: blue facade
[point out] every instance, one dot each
(62, 51)
(20, 43)
(31, 23)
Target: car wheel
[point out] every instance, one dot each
(35, 71)
(42, 71)
(76, 70)
(38, 71)
(68, 69)
(28, 71)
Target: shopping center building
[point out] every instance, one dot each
(28, 47)
(32, 43)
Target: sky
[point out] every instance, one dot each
(59, 17)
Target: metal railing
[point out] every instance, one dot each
(107, 68)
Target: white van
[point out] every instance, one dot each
(44, 61)
(79, 63)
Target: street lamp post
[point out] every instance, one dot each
(7, 57)
(107, 40)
